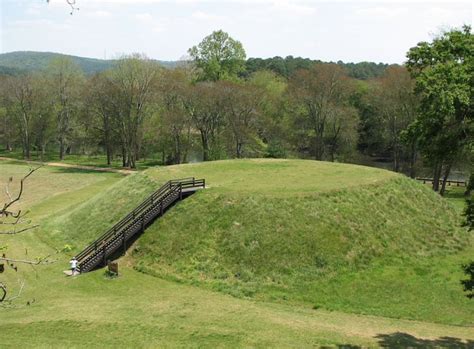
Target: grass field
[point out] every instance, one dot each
(182, 307)
(81, 160)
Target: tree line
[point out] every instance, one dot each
(223, 106)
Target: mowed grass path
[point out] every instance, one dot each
(137, 310)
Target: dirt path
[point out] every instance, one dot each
(79, 167)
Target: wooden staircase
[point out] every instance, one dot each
(97, 253)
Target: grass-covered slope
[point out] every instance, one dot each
(137, 310)
(140, 311)
(81, 224)
(337, 236)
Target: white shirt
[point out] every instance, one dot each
(73, 263)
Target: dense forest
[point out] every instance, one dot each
(219, 105)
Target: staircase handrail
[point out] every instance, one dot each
(154, 198)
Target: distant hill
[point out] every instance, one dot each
(12, 63)
(288, 65)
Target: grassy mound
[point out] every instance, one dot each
(142, 311)
(336, 236)
(86, 221)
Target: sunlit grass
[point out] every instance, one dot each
(212, 234)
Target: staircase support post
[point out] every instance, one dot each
(104, 257)
(124, 244)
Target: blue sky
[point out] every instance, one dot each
(351, 31)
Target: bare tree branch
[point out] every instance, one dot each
(15, 220)
(43, 260)
(71, 3)
(14, 231)
(5, 210)
(22, 285)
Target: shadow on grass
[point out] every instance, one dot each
(80, 170)
(405, 340)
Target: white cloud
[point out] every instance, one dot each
(33, 11)
(380, 11)
(144, 17)
(100, 14)
(159, 28)
(205, 16)
(293, 7)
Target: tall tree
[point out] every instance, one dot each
(176, 121)
(134, 77)
(28, 103)
(397, 105)
(218, 56)
(444, 71)
(272, 124)
(102, 103)
(203, 102)
(65, 79)
(240, 103)
(323, 118)
(20, 104)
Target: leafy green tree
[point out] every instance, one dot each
(273, 125)
(324, 121)
(240, 102)
(371, 134)
(65, 79)
(103, 113)
(470, 184)
(203, 103)
(135, 79)
(218, 56)
(443, 71)
(468, 284)
(28, 103)
(175, 122)
(397, 106)
(469, 213)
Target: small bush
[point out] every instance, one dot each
(110, 274)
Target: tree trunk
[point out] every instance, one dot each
(27, 148)
(61, 148)
(396, 161)
(109, 155)
(177, 149)
(43, 151)
(446, 175)
(437, 175)
(205, 146)
(469, 185)
(108, 147)
(238, 149)
(412, 160)
(124, 157)
(318, 148)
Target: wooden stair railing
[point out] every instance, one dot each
(154, 206)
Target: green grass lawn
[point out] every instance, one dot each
(281, 231)
(99, 160)
(276, 178)
(264, 306)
